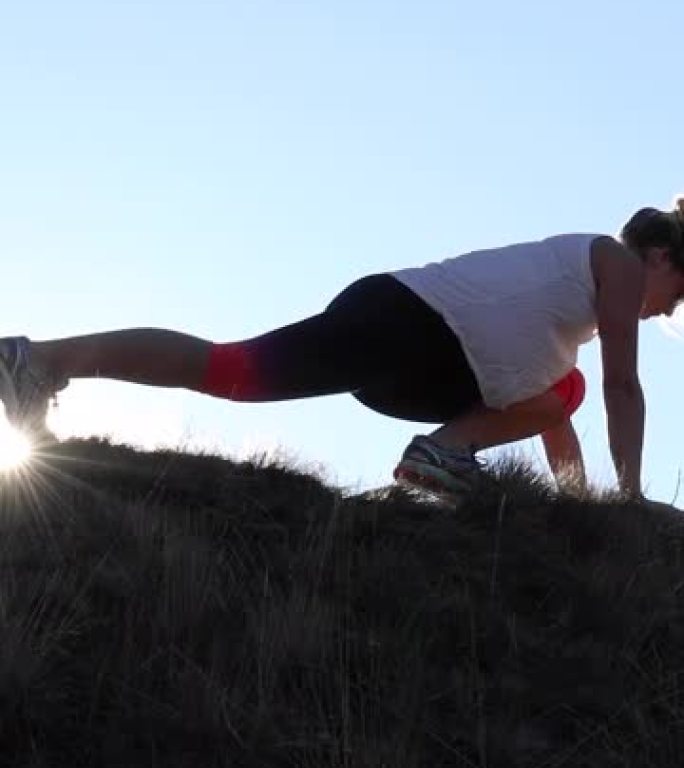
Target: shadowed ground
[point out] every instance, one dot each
(167, 609)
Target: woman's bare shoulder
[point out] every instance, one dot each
(609, 255)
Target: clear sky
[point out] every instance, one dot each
(226, 167)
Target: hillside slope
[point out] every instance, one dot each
(165, 609)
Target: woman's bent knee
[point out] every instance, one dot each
(571, 390)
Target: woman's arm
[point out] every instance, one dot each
(619, 277)
(564, 454)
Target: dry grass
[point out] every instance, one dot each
(164, 609)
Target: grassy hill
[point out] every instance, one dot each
(167, 609)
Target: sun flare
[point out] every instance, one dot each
(15, 448)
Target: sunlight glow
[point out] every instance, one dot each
(673, 326)
(111, 410)
(15, 448)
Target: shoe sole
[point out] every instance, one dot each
(431, 477)
(418, 481)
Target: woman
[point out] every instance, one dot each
(484, 344)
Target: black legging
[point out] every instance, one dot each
(376, 340)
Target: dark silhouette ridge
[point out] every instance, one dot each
(168, 609)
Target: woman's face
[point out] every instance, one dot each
(664, 288)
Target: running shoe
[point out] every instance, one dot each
(26, 387)
(429, 466)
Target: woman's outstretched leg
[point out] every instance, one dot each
(151, 356)
(339, 350)
(31, 373)
(306, 359)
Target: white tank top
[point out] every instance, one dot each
(520, 312)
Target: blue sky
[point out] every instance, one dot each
(223, 168)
